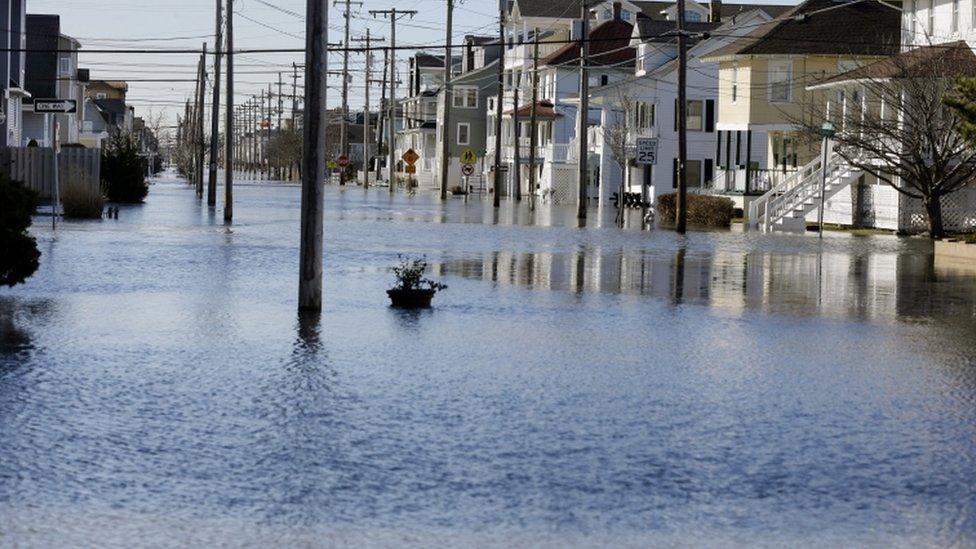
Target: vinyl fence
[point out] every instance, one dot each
(34, 166)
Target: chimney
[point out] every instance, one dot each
(715, 11)
(617, 7)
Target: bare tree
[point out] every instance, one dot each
(897, 126)
(285, 148)
(618, 137)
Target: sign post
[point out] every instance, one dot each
(468, 159)
(54, 107)
(410, 157)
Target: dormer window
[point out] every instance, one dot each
(693, 16)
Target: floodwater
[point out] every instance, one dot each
(573, 387)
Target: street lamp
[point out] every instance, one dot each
(827, 131)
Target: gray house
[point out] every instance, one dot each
(52, 72)
(478, 80)
(13, 60)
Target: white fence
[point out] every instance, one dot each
(34, 166)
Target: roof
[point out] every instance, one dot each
(609, 45)
(543, 109)
(858, 28)
(559, 9)
(570, 9)
(953, 59)
(428, 60)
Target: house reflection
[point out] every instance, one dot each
(870, 285)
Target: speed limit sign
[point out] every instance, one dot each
(646, 150)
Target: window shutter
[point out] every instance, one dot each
(709, 170)
(710, 115)
(674, 173)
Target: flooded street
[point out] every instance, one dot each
(573, 386)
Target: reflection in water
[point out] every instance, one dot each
(873, 285)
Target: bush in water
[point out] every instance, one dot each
(124, 171)
(18, 250)
(703, 210)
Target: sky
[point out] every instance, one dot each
(187, 24)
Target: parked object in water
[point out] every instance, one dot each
(413, 291)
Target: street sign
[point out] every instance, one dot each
(343, 161)
(332, 164)
(411, 157)
(467, 169)
(468, 156)
(60, 106)
(646, 150)
(410, 169)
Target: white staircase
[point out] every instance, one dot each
(786, 206)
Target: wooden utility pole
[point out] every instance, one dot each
(344, 122)
(533, 118)
(313, 159)
(368, 40)
(266, 135)
(381, 119)
(215, 113)
(279, 169)
(229, 131)
(445, 122)
(294, 113)
(681, 200)
(499, 100)
(200, 118)
(393, 14)
(517, 154)
(255, 155)
(583, 126)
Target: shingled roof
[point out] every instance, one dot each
(953, 59)
(571, 8)
(663, 31)
(858, 28)
(609, 45)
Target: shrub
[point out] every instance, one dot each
(123, 171)
(410, 276)
(81, 199)
(19, 256)
(457, 189)
(703, 210)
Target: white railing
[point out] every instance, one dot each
(759, 209)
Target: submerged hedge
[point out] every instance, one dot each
(703, 210)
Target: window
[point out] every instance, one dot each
(465, 98)
(696, 115)
(735, 82)
(101, 95)
(604, 79)
(693, 173)
(65, 66)
(780, 75)
(955, 15)
(463, 133)
(644, 115)
(693, 16)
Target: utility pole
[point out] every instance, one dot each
(681, 200)
(313, 159)
(343, 129)
(266, 136)
(517, 156)
(259, 135)
(229, 131)
(279, 170)
(583, 127)
(448, 99)
(294, 111)
(533, 118)
(215, 114)
(255, 155)
(497, 183)
(368, 40)
(201, 108)
(380, 122)
(393, 14)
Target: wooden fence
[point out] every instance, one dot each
(34, 166)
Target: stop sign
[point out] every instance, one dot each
(343, 161)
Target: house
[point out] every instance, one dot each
(13, 62)
(106, 112)
(419, 132)
(645, 105)
(860, 189)
(478, 80)
(52, 72)
(763, 81)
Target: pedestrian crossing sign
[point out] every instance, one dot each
(468, 156)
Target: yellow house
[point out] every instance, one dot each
(763, 80)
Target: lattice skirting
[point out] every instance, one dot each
(958, 212)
